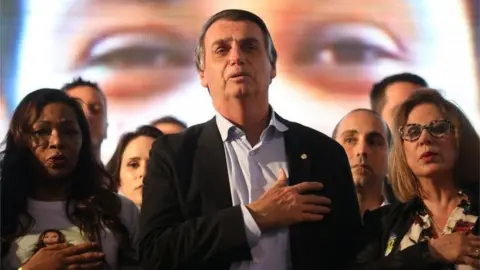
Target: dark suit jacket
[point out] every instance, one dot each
(388, 192)
(396, 219)
(188, 221)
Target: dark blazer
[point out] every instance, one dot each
(395, 220)
(188, 221)
(388, 191)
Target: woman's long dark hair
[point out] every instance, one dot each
(93, 206)
(115, 163)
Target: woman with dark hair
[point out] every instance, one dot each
(129, 161)
(435, 176)
(49, 237)
(50, 178)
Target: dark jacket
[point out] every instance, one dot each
(188, 220)
(390, 224)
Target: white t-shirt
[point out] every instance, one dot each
(51, 215)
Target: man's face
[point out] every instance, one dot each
(396, 94)
(364, 137)
(236, 62)
(94, 107)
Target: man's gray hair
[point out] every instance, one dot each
(234, 15)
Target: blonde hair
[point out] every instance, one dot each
(466, 170)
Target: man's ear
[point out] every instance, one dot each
(203, 80)
(273, 73)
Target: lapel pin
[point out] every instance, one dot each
(303, 156)
(390, 244)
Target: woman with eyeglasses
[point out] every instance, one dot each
(434, 169)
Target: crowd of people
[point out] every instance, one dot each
(395, 186)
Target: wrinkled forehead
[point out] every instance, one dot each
(228, 31)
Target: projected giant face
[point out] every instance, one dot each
(330, 53)
(333, 51)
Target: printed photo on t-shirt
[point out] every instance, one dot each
(48, 238)
(29, 244)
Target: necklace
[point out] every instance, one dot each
(430, 216)
(435, 224)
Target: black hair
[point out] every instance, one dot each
(378, 95)
(169, 120)
(79, 81)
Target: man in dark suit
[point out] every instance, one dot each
(247, 189)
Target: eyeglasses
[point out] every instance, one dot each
(436, 128)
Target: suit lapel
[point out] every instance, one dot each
(298, 160)
(211, 170)
(299, 170)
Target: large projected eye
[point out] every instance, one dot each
(129, 51)
(348, 44)
(137, 65)
(337, 58)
